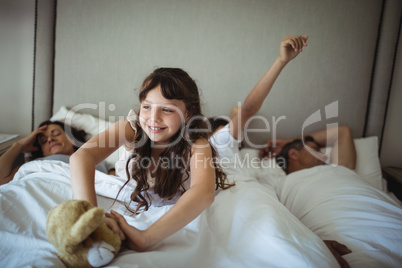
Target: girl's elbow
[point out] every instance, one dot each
(78, 157)
(209, 198)
(205, 197)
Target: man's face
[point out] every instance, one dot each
(310, 155)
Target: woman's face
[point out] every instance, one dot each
(55, 141)
(161, 118)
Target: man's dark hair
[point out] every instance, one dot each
(282, 159)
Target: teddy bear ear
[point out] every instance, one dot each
(86, 224)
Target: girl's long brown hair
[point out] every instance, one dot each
(171, 172)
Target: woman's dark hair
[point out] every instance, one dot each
(282, 159)
(171, 172)
(79, 135)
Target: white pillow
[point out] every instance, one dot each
(87, 122)
(367, 162)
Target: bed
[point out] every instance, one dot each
(258, 223)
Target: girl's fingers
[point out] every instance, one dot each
(305, 37)
(301, 42)
(117, 216)
(122, 235)
(298, 43)
(292, 43)
(114, 216)
(114, 212)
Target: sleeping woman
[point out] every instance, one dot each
(52, 140)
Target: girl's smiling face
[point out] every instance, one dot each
(55, 141)
(161, 118)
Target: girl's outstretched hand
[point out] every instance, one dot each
(136, 239)
(114, 226)
(291, 46)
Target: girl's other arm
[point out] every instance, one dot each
(91, 153)
(189, 206)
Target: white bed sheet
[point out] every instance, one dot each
(337, 204)
(245, 227)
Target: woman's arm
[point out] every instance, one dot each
(25, 145)
(91, 153)
(189, 206)
(7, 171)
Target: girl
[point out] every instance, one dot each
(171, 160)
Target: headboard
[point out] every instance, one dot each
(103, 51)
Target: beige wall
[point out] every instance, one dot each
(105, 48)
(391, 152)
(16, 65)
(20, 73)
(104, 51)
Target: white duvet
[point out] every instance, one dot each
(337, 204)
(245, 227)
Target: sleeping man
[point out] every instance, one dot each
(328, 197)
(227, 133)
(298, 154)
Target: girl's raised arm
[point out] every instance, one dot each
(91, 153)
(290, 47)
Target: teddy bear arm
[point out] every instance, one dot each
(104, 233)
(106, 245)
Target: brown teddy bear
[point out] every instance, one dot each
(82, 239)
